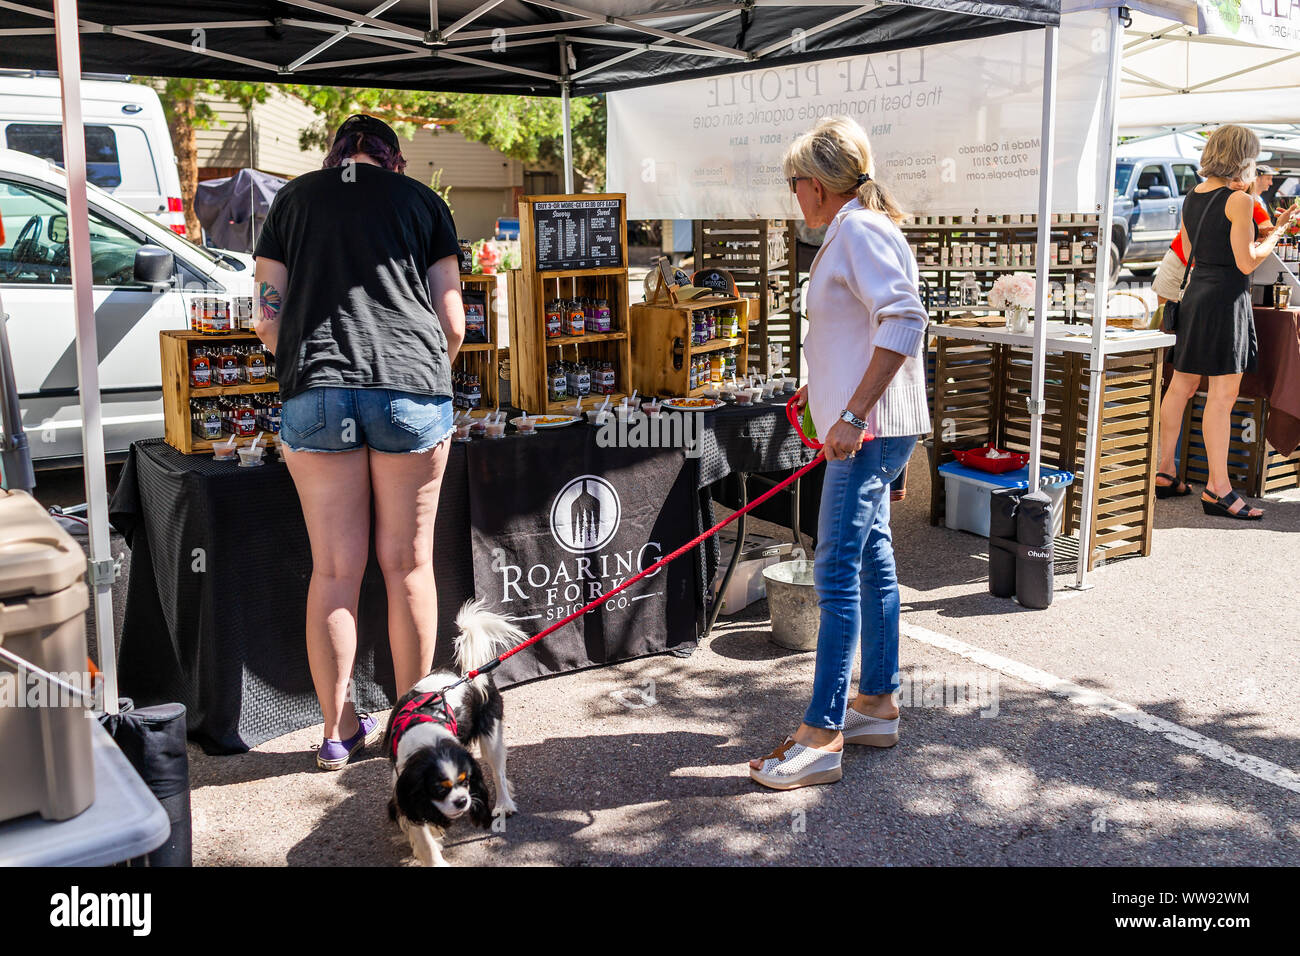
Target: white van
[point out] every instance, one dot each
(130, 310)
(128, 146)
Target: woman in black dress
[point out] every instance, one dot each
(1216, 328)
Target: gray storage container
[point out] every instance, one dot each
(45, 751)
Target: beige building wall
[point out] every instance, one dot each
(274, 148)
(483, 181)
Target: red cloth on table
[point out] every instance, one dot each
(1277, 377)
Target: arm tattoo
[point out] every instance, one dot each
(271, 302)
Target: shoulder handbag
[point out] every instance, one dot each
(1170, 313)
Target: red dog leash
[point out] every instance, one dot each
(792, 413)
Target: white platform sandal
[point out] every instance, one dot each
(793, 765)
(869, 731)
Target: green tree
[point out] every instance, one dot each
(526, 128)
(184, 103)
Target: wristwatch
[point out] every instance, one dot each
(848, 416)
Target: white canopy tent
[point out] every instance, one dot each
(1172, 75)
(1162, 67)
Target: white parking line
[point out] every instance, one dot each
(1135, 717)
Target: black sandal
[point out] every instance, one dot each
(1171, 490)
(1222, 507)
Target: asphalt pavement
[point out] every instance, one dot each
(1146, 720)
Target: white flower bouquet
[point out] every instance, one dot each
(1013, 291)
(1014, 294)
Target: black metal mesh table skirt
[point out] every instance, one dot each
(758, 440)
(220, 562)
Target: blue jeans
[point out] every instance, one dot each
(332, 418)
(857, 585)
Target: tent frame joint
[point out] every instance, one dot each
(434, 38)
(104, 574)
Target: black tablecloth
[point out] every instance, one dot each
(217, 595)
(220, 564)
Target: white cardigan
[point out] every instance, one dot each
(862, 295)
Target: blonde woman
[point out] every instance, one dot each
(863, 349)
(1216, 327)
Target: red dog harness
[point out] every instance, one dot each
(431, 708)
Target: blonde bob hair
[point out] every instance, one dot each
(1230, 154)
(837, 153)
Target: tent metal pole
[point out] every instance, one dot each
(102, 572)
(1096, 368)
(567, 119)
(1051, 43)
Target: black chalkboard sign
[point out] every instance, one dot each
(578, 234)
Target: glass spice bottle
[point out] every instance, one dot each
(227, 367)
(200, 368)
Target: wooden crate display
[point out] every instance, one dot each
(1127, 451)
(662, 349)
(760, 256)
(980, 393)
(176, 347)
(1254, 467)
(532, 351)
(965, 409)
(481, 358)
(1060, 386)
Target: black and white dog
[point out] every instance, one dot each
(436, 779)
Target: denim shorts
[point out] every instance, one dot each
(343, 419)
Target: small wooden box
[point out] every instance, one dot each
(662, 349)
(175, 346)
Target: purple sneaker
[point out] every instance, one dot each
(334, 754)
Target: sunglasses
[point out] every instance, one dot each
(794, 182)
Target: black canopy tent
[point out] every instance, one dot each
(539, 47)
(507, 46)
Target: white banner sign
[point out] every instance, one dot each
(955, 128)
(1265, 22)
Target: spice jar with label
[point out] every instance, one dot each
(717, 367)
(579, 380)
(200, 368)
(227, 367)
(559, 379)
(730, 322)
(575, 318)
(207, 419)
(604, 318)
(554, 319)
(244, 417)
(605, 379)
(255, 366)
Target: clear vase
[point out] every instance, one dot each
(1017, 320)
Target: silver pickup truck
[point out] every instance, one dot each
(1148, 209)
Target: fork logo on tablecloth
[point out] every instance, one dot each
(585, 514)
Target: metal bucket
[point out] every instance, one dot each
(792, 602)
